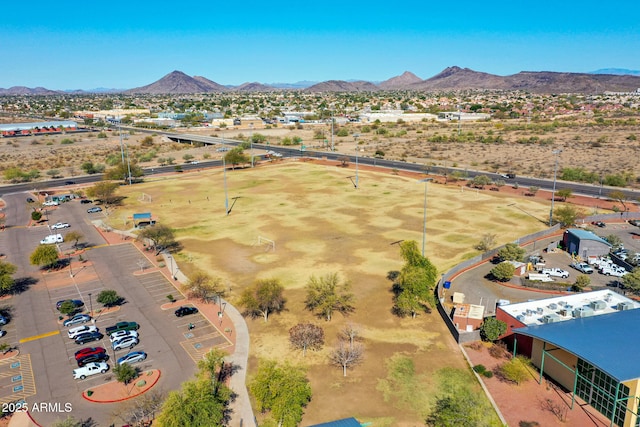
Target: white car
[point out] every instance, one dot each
(51, 203)
(122, 334)
(74, 332)
(59, 225)
(90, 369)
(613, 270)
(52, 239)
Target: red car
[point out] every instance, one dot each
(89, 351)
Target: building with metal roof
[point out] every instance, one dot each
(31, 128)
(585, 343)
(584, 243)
(345, 422)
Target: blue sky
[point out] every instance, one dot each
(117, 44)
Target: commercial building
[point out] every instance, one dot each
(37, 128)
(586, 343)
(584, 243)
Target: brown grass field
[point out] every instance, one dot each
(321, 224)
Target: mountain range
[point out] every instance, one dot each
(450, 79)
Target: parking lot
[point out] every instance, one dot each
(43, 371)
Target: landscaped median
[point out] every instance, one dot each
(115, 391)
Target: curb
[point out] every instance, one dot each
(85, 397)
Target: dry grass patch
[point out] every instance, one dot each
(320, 225)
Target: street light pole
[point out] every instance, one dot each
(553, 194)
(70, 270)
(90, 305)
(424, 217)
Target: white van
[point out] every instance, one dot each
(52, 239)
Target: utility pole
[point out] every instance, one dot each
(553, 194)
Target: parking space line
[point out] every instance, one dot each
(37, 337)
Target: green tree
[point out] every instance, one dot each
(533, 190)
(187, 157)
(564, 193)
(614, 240)
(503, 272)
(567, 215)
(6, 277)
(73, 236)
(263, 298)
(480, 181)
(91, 168)
(68, 307)
(413, 288)
(631, 280)
(283, 390)
(104, 191)
(465, 409)
(492, 328)
(204, 287)
(120, 172)
(582, 281)
(36, 216)
(161, 236)
(236, 156)
(327, 294)
(194, 405)
(258, 138)
(109, 298)
(211, 367)
(125, 373)
(44, 256)
(511, 252)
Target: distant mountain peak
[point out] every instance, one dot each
(402, 81)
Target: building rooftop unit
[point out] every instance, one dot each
(569, 307)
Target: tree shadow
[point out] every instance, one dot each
(22, 284)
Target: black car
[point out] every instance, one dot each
(184, 311)
(85, 201)
(69, 182)
(100, 357)
(599, 224)
(88, 337)
(76, 302)
(635, 222)
(30, 200)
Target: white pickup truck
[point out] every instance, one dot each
(90, 369)
(555, 272)
(540, 277)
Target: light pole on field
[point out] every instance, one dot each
(424, 213)
(553, 193)
(90, 305)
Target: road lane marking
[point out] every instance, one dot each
(37, 337)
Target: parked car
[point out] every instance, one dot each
(3, 320)
(555, 272)
(94, 209)
(77, 319)
(118, 335)
(2, 333)
(92, 358)
(184, 311)
(582, 267)
(88, 351)
(85, 201)
(51, 203)
(599, 224)
(90, 369)
(88, 337)
(133, 357)
(78, 330)
(59, 225)
(122, 326)
(128, 342)
(635, 222)
(30, 200)
(69, 182)
(76, 302)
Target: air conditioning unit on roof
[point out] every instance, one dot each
(598, 305)
(553, 306)
(626, 305)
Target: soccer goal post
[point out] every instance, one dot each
(269, 244)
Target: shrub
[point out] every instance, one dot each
(515, 370)
(487, 374)
(481, 369)
(498, 350)
(492, 328)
